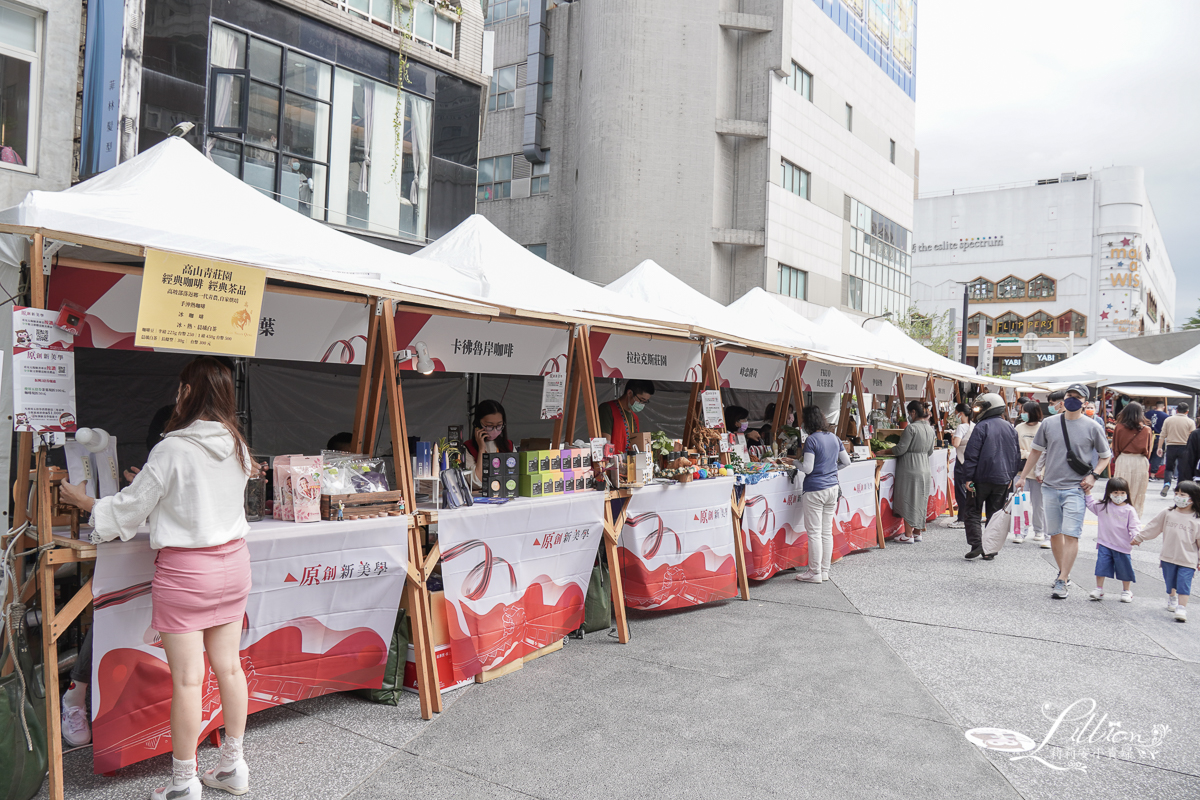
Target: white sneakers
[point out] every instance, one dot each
(1037, 537)
(904, 539)
(1018, 538)
(231, 773)
(1181, 614)
(1172, 603)
(916, 537)
(76, 731)
(1096, 594)
(1126, 596)
(1045, 543)
(810, 576)
(184, 784)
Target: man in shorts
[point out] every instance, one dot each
(1063, 485)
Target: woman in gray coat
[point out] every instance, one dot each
(910, 497)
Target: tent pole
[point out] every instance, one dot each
(903, 402)
(591, 408)
(572, 389)
(366, 382)
(856, 378)
(781, 403)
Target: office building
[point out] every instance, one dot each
(763, 143)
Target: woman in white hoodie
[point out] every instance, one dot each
(192, 491)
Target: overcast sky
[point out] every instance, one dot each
(1022, 90)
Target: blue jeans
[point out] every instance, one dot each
(1064, 510)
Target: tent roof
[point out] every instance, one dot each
(914, 352)
(1103, 361)
(851, 337)
(171, 197)
(514, 277)
(650, 283)
(788, 327)
(1186, 363)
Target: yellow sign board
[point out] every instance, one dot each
(198, 304)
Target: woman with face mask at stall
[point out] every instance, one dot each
(491, 436)
(767, 432)
(910, 495)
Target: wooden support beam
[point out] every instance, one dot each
(73, 608)
(903, 403)
(364, 438)
(45, 575)
(856, 379)
(879, 508)
(612, 534)
(575, 380)
(591, 407)
(739, 543)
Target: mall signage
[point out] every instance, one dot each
(963, 244)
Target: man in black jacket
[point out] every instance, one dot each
(991, 461)
(1189, 463)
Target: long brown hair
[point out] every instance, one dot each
(210, 396)
(1132, 416)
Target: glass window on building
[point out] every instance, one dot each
(318, 139)
(879, 259)
(1011, 288)
(538, 250)
(503, 88)
(794, 179)
(1010, 324)
(800, 80)
(793, 282)
(1072, 321)
(973, 325)
(20, 63)
(500, 10)
(425, 25)
(539, 183)
(1041, 288)
(495, 178)
(981, 289)
(1151, 307)
(1040, 323)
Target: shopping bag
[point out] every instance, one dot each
(597, 606)
(997, 530)
(388, 694)
(22, 715)
(1022, 514)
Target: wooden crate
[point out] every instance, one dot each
(361, 506)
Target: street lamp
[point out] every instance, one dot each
(884, 315)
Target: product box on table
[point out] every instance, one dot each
(530, 485)
(568, 481)
(530, 462)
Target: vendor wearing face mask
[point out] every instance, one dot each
(619, 418)
(766, 432)
(491, 436)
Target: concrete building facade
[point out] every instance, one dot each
(738, 143)
(1080, 254)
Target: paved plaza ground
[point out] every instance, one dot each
(861, 687)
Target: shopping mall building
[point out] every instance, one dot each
(766, 143)
(1047, 268)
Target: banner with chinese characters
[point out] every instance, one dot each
(744, 371)
(914, 386)
(644, 357)
(939, 484)
(199, 304)
(879, 381)
(516, 576)
(319, 620)
(291, 327)
(854, 519)
(892, 523)
(477, 344)
(773, 534)
(43, 370)
(818, 377)
(676, 548)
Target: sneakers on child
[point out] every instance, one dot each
(231, 773)
(184, 784)
(811, 576)
(1126, 596)
(1181, 614)
(1172, 603)
(76, 731)
(1096, 594)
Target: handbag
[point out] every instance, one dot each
(597, 606)
(998, 527)
(1073, 461)
(392, 688)
(23, 759)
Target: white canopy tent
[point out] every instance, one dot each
(1104, 364)
(173, 198)
(515, 278)
(1186, 363)
(913, 352)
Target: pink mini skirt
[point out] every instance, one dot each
(199, 588)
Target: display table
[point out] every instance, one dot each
(516, 575)
(773, 531)
(319, 618)
(676, 547)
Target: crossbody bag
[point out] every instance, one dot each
(1073, 461)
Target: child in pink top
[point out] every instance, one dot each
(1118, 522)
(1180, 557)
